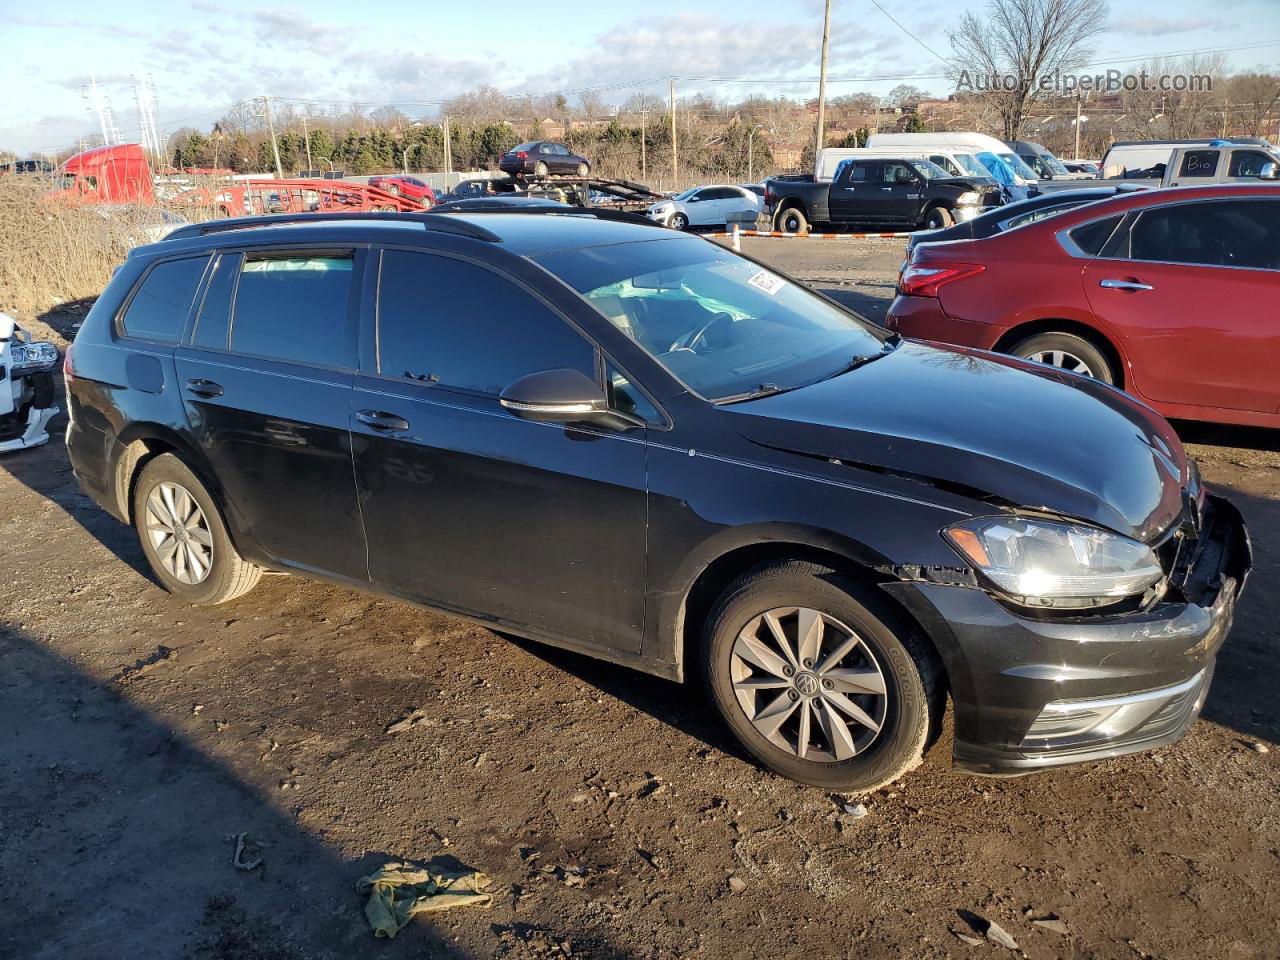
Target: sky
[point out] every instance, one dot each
(207, 54)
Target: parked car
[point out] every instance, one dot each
(1187, 164)
(406, 186)
(1013, 215)
(472, 188)
(543, 158)
(907, 193)
(1167, 293)
(1082, 166)
(707, 207)
(756, 188)
(1130, 158)
(1041, 160)
(639, 445)
(27, 392)
(1018, 180)
(499, 202)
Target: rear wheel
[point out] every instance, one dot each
(792, 220)
(1067, 351)
(819, 680)
(938, 218)
(540, 169)
(184, 537)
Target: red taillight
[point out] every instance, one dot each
(521, 154)
(924, 279)
(67, 373)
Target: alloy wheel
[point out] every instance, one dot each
(809, 684)
(1064, 359)
(179, 533)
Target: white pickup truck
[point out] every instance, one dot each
(1173, 165)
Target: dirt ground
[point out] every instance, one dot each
(613, 814)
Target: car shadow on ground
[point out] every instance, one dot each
(1227, 435)
(123, 832)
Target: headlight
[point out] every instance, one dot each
(968, 198)
(1043, 563)
(33, 357)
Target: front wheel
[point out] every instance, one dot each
(792, 220)
(1067, 351)
(583, 170)
(938, 218)
(678, 221)
(184, 537)
(820, 680)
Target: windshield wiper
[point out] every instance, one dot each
(861, 360)
(764, 390)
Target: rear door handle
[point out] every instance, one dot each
(204, 388)
(1124, 285)
(382, 421)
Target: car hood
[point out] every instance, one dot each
(991, 427)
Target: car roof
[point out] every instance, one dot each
(534, 231)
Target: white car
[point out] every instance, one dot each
(26, 387)
(708, 207)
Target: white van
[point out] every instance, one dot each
(958, 163)
(1006, 166)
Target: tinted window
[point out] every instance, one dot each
(895, 172)
(158, 311)
(1248, 163)
(1223, 233)
(856, 172)
(476, 330)
(293, 307)
(625, 398)
(215, 313)
(1091, 237)
(1199, 163)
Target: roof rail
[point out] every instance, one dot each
(560, 210)
(432, 221)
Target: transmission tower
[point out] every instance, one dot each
(144, 93)
(100, 106)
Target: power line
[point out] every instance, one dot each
(896, 23)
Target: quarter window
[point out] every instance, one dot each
(1092, 237)
(294, 307)
(477, 331)
(158, 311)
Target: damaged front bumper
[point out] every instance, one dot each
(26, 389)
(1031, 694)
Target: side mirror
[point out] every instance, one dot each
(556, 396)
(1270, 170)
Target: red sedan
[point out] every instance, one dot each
(1173, 295)
(410, 187)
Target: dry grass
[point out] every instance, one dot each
(53, 252)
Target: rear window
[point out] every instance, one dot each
(294, 307)
(158, 311)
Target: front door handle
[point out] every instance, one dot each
(204, 388)
(381, 421)
(1124, 285)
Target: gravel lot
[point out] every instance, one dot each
(611, 811)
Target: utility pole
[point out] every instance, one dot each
(822, 81)
(643, 173)
(675, 163)
(271, 128)
(448, 149)
(306, 138)
(1076, 155)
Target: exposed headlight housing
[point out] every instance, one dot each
(33, 357)
(1044, 563)
(969, 198)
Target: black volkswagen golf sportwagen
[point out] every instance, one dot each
(641, 446)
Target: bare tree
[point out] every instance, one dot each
(1005, 53)
(389, 118)
(1251, 97)
(1177, 114)
(905, 95)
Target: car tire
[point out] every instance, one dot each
(678, 221)
(1068, 352)
(888, 654)
(393, 190)
(540, 169)
(167, 484)
(583, 170)
(938, 218)
(792, 220)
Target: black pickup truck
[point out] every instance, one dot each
(881, 191)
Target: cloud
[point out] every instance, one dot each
(1157, 27)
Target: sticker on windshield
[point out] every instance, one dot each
(766, 281)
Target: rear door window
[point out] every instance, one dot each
(477, 331)
(293, 306)
(214, 320)
(1216, 233)
(159, 308)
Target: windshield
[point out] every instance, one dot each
(969, 163)
(1055, 165)
(686, 195)
(719, 323)
(1020, 168)
(928, 169)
